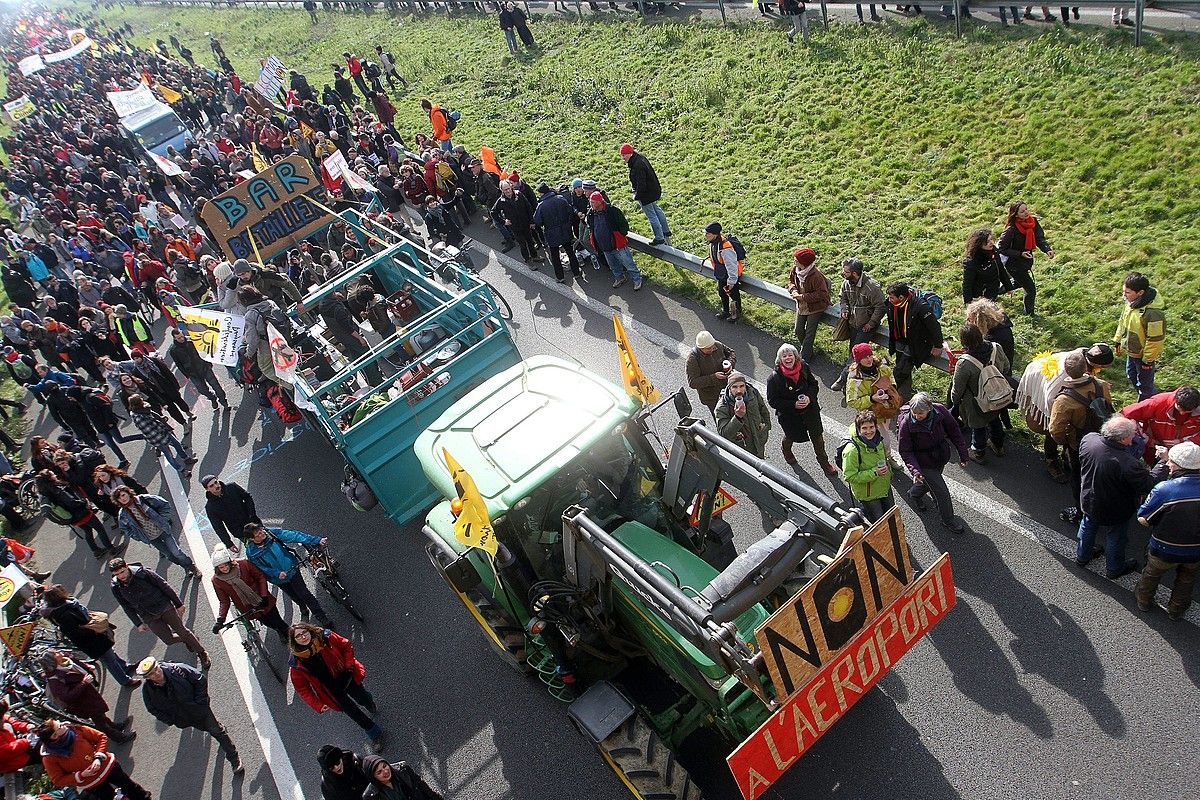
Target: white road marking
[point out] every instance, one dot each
(274, 753)
(1020, 524)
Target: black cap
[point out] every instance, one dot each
(713, 227)
(543, 188)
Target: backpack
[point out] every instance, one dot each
(91, 458)
(451, 117)
(248, 372)
(1097, 409)
(841, 450)
(995, 392)
(287, 411)
(372, 69)
(931, 299)
(739, 249)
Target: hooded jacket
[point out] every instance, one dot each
(702, 368)
(70, 617)
(751, 431)
(555, 215)
(350, 784)
(1160, 421)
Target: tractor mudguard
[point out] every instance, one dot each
(599, 711)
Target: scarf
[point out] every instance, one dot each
(793, 374)
(60, 747)
(241, 589)
(1028, 227)
(867, 373)
(874, 441)
(900, 313)
(315, 645)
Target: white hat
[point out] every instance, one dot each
(221, 555)
(705, 339)
(1185, 455)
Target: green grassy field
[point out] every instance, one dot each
(885, 142)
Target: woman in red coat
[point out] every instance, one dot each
(77, 756)
(17, 744)
(328, 677)
(239, 582)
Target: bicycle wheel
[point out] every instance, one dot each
(503, 307)
(339, 593)
(260, 648)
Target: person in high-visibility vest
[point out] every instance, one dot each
(727, 268)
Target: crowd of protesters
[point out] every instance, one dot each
(108, 248)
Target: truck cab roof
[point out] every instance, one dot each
(520, 427)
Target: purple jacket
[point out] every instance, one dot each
(922, 447)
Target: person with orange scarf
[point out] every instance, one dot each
(914, 333)
(1022, 235)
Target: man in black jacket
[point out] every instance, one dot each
(154, 371)
(342, 329)
(185, 355)
(1114, 479)
(177, 694)
(647, 191)
(152, 605)
(229, 508)
(914, 333)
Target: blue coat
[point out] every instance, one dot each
(273, 558)
(159, 512)
(1173, 513)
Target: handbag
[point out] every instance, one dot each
(890, 407)
(841, 331)
(98, 623)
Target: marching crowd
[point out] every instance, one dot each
(108, 245)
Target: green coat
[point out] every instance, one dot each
(965, 389)
(858, 467)
(751, 431)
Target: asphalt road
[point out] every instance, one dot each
(1043, 682)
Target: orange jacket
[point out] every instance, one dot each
(67, 770)
(438, 121)
(488, 156)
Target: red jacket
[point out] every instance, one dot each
(338, 654)
(1161, 423)
(253, 576)
(66, 770)
(14, 751)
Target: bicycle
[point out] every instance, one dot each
(324, 569)
(256, 648)
(461, 261)
(29, 700)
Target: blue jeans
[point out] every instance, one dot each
(177, 463)
(116, 666)
(114, 436)
(511, 37)
(1114, 543)
(447, 145)
(658, 220)
(1140, 379)
(169, 547)
(620, 262)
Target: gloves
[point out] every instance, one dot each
(218, 625)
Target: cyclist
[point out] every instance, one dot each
(266, 549)
(239, 582)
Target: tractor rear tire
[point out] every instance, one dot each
(504, 635)
(645, 764)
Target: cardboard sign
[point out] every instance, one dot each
(17, 638)
(762, 758)
(19, 109)
(273, 206)
(216, 334)
(803, 635)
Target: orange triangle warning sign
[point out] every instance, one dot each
(16, 638)
(722, 503)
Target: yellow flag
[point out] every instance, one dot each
(306, 130)
(169, 94)
(260, 163)
(472, 527)
(637, 384)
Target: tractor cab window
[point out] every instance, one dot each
(611, 480)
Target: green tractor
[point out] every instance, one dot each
(612, 580)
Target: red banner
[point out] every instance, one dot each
(761, 760)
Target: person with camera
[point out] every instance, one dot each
(742, 416)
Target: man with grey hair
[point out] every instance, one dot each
(1114, 479)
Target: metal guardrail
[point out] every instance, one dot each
(392, 6)
(760, 289)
